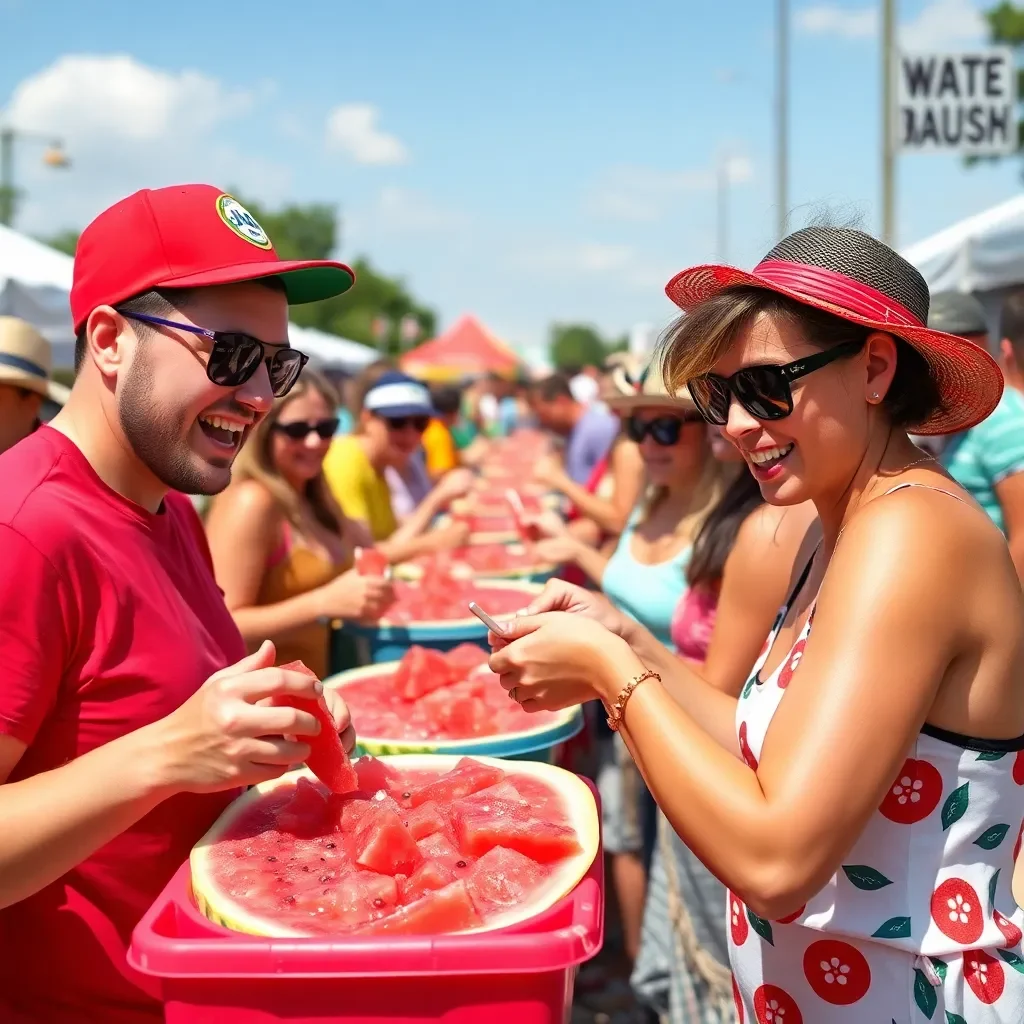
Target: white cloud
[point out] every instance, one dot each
(829, 20)
(84, 97)
(940, 24)
(128, 126)
(636, 193)
(352, 129)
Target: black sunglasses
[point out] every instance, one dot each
(418, 423)
(664, 430)
(299, 430)
(235, 357)
(764, 391)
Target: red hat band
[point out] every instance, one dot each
(837, 290)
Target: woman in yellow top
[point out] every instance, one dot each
(394, 412)
(282, 549)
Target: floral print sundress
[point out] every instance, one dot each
(920, 923)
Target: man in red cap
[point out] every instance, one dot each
(129, 712)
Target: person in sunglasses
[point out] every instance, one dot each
(861, 797)
(385, 455)
(130, 714)
(645, 577)
(282, 549)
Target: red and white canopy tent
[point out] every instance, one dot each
(466, 349)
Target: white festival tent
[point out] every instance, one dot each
(983, 254)
(35, 282)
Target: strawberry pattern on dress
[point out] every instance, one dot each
(919, 924)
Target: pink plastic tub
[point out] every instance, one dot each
(520, 975)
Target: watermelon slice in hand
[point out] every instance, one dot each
(371, 562)
(327, 758)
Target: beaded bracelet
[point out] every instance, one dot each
(617, 710)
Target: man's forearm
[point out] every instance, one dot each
(55, 820)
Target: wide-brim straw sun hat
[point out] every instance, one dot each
(26, 360)
(854, 276)
(648, 391)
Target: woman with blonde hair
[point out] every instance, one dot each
(282, 549)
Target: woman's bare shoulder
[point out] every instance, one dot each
(246, 502)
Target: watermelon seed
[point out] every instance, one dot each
(331, 846)
(460, 863)
(305, 867)
(405, 796)
(324, 859)
(378, 902)
(325, 879)
(272, 858)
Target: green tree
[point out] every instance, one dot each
(574, 345)
(374, 311)
(1006, 28)
(64, 241)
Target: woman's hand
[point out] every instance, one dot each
(559, 596)
(356, 597)
(545, 525)
(556, 550)
(556, 660)
(548, 471)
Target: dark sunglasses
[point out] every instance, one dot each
(764, 391)
(418, 423)
(299, 430)
(236, 357)
(664, 430)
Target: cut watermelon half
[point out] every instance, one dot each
(485, 859)
(327, 758)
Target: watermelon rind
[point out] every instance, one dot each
(577, 798)
(567, 723)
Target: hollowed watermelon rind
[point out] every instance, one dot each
(568, 723)
(577, 796)
(468, 628)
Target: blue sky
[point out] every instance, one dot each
(529, 161)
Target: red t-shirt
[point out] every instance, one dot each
(110, 619)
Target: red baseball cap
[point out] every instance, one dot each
(186, 236)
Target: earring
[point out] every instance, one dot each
(874, 396)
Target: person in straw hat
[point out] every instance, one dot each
(26, 362)
(861, 797)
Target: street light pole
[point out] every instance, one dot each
(722, 246)
(888, 129)
(6, 176)
(782, 119)
(55, 156)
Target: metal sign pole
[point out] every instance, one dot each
(888, 130)
(782, 120)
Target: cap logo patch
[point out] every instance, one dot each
(242, 222)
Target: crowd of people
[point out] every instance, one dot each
(800, 823)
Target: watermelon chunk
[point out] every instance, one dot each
(306, 813)
(468, 776)
(374, 775)
(420, 671)
(508, 825)
(360, 897)
(327, 758)
(383, 844)
(502, 878)
(464, 658)
(447, 910)
(426, 819)
(430, 875)
(371, 562)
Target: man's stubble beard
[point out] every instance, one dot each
(157, 438)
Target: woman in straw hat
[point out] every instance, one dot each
(862, 798)
(25, 364)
